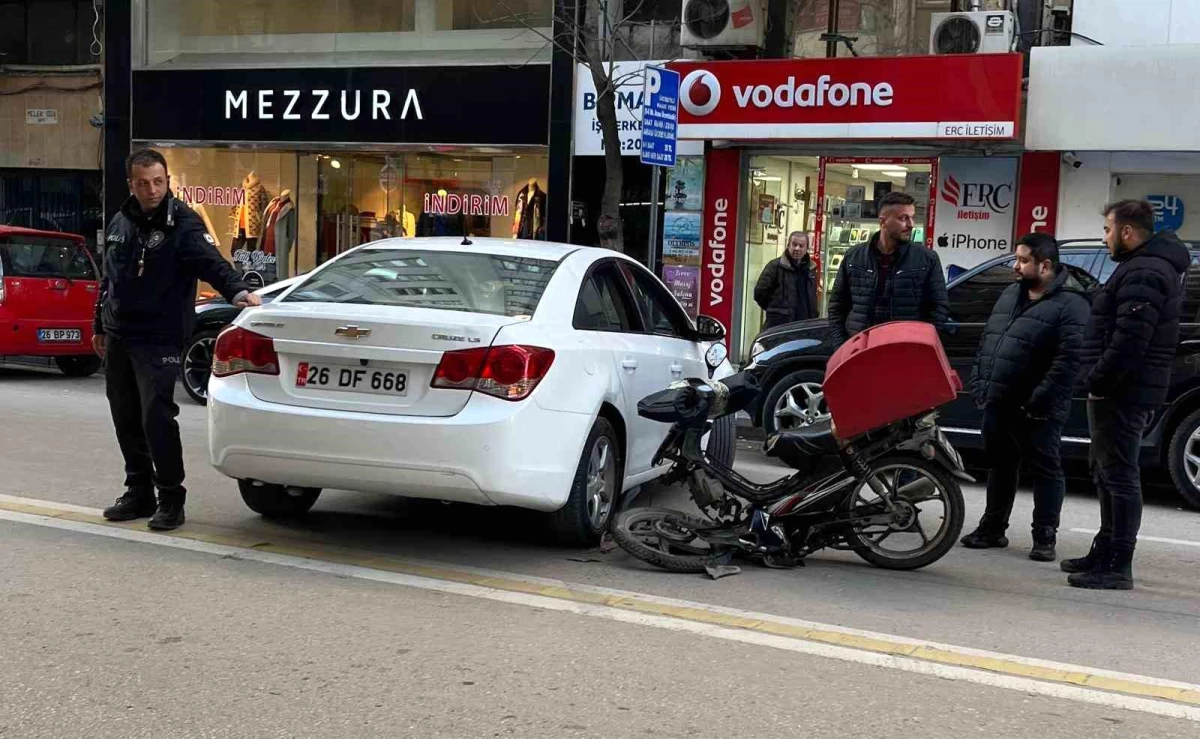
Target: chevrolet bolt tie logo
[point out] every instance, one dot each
(352, 332)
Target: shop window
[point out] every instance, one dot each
(892, 28)
(972, 300)
(48, 32)
(475, 15)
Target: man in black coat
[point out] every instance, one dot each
(1023, 376)
(156, 249)
(888, 279)
(1130, 345)
(787, 288)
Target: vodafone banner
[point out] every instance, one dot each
(1037, 200)
(976, 205)
(969, 96)
(718, 234)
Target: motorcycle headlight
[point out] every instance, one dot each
(715, 355)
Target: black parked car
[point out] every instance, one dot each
(795, 355)
(212, 316)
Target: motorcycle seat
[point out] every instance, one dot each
(806, 442)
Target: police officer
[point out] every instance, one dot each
(156, 249)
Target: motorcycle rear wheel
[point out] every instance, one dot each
(918, 482)
(667, 539)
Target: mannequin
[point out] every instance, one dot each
(529, 219)
(247, 218)
(279, 234)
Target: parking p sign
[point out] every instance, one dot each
(660, 116)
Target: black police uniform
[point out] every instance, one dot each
(146, 311)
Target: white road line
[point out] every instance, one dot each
(1157, 539)
(818, 649)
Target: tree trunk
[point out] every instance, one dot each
(609, 225)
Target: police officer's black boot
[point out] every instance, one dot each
(985, 538)
(1089, 562)
(1114, 573)
(1044, 539)
(135, 503)
(170, 510)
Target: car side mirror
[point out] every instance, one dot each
(709, 329)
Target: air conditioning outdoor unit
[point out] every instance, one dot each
(708, 24)
(980, 32)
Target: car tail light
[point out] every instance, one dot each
(239, 350)
(509, 372)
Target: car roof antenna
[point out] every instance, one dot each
(466, 240)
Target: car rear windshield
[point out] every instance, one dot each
(458, 281)
(43, 256)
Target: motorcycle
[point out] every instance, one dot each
(868, 494)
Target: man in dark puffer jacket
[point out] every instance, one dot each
(787, 288)
(889, 278)
(1130, 344)
(1023, 379)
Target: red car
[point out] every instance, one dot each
(48, 289)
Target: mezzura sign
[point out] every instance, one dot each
(287, 105)
(426, 105)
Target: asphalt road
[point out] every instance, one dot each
(113, 635)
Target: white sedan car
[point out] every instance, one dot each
(481, 371)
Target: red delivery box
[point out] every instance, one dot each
(887, 373)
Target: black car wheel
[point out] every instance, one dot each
(795, 400)
(1183, 458)
(197, 365)
(78, 366)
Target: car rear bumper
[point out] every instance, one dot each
(492, 453)
(20, 338)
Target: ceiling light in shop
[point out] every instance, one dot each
(335, 164)
(855, 173)
(881, 167)
(900, 173)
(767, 178)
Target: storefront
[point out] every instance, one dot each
(291, 167)
(1115, 125)
(812, 145)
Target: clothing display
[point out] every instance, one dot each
(248, 217)
(529, 219)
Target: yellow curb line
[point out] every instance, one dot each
(341, 555)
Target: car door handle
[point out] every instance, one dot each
(629, 364)
(677, 369)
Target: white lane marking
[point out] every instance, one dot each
(1157, 539)
(817, 649)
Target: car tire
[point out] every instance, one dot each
(587, 514)
(722, 440)
(277, 501)
(191, 370)
(1185, 443)
(789, 382)
(82, 365)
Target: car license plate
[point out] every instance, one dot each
(56, 335)
(310, 375)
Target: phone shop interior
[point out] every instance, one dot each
(783, 193)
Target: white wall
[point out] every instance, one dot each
(1084, 191)
(1137, 22)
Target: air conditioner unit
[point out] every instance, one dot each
(708, 24)
(980, 32)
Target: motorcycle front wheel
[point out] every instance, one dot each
(668, 539)
(925, 518)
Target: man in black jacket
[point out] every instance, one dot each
(1130, 346)
(1024, 373)
(787, 288)
(889, 278)
(156, 249)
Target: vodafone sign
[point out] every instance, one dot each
(971, 96)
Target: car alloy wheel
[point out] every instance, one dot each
(601, 482)
(800, 405)
(197, 367)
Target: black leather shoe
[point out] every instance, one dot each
(133, 504)
(1086, 563)
(1044, 539)
(980, 539)
(170, 511)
